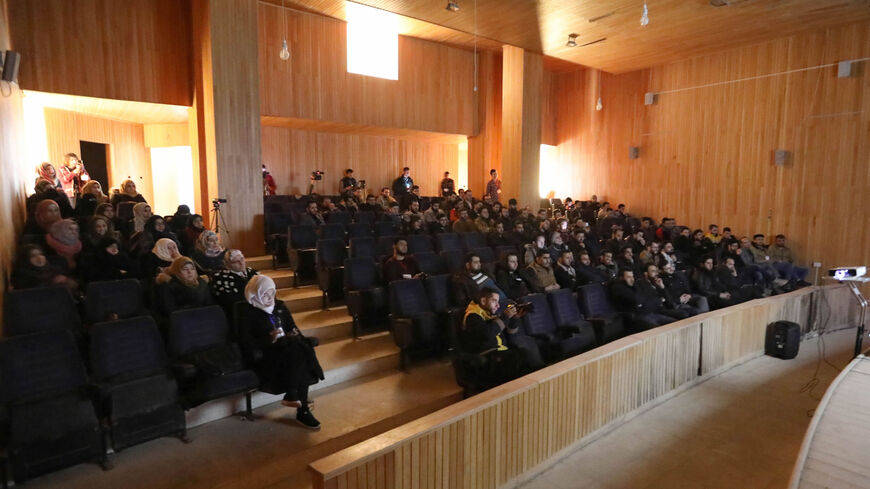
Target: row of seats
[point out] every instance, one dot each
(66, 389)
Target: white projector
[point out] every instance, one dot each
(848, 273)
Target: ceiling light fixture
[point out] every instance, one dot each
(284, 54)
(452, 6)
(644, 17)
(572, 41)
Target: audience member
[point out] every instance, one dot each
(644, 309)
(165, 251)
(46, 171)
(228, 284)
(73, 176)
(508, 278)
(783, 262)
(467, 284)
(312, 215)
(108, 262)
(483, 222)
(465, 224)
(493, 186)
(141, 214)
(651, 285)
(47, 212)
(402, 186)
(447, 186)
(33, 269)
(564, 271)
(497, 237)
(180, 287)
(400, 265)
(539, 275)
(127, 193)
(508, 353)
(589, 274)
(209, 254)
(289, 361)
(191, 233)
(441, 226)
(97, 229)
(681, 290)
(706, 282)
(180, 219)
(91, 196)
(44, 190)
(607, 265)
(63, 240)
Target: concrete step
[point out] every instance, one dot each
(260, 263)
(272, 452)
(283, 277)
(325, 324)
(348, 359)
(307, 298)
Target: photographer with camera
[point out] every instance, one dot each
(316, 176)
(73, 176)
(509, 354)
(347, 185)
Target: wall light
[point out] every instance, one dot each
(452, 6)
(644, 17)
(284, 54)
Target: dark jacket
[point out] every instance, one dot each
(633, 299)
(511, 282)
(466, 288)
(395, 269)
(175, 295)
(706, 283)
(565, 278)
(677, 284)
(591, 275)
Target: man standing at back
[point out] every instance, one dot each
(493, 187)
(402, 187)
(448, 187)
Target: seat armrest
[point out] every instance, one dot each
(184, 370)
(403, 330)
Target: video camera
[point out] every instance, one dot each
(522, 308)
(216, 203)
(317, 175)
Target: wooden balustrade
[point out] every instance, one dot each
(510, 433)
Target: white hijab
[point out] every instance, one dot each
(255, 292)
(161, 249)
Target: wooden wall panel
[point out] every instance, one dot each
(292, 154)
(434, 91)
(484, 149)
(513, 432)
(707, 154)
(163, 135)
(522, 84)
(129, 156)
(11, 151)
(130, 50)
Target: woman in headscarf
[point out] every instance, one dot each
(44, 190)
(108, 262)
(47, 171)
(209, 254)
(155, 228)
(127, 193)
(191, 233)
(63, 240)
(180, 287)
(34, 269)
(141, 214)
(106, 210)
(90, 197)
(288, 362)
(228, 285)
(47, 212)
(98, 228)
(165, 251)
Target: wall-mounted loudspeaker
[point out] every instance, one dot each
(844, 69)
(10, 66)
(781, 157)
(633, 152)
(649, 98)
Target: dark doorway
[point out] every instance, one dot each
(95, 156)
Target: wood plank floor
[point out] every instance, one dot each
(741, 429)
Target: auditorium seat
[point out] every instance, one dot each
(40, 309)
(359, 230)
(338, 218)
(386, 228)
(366, 217)
(207, 365)
(330, 269)
(138, 394)
(362, 248)
(555, 343)
(301, 242)
(413, 324)
(114, 299)
(472, 241)
(332, 231)
(366, 299)
(597, 309)
(449, 242)
(566, 314)
(455, 260)
(384, 248)
(49, 421)
(430, 263)
(419, 243)
(438, 293)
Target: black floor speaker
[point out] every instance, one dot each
(782, 340)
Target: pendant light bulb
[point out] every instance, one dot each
(644, 18)
(285, 51)
(599, 105)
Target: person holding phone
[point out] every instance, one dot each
(73, 176)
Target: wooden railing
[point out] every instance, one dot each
(507, 434)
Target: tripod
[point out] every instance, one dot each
(218, 218)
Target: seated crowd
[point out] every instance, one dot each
(652, 274)
(179, 264)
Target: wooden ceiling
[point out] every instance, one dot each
(116, 110)
(677, 29)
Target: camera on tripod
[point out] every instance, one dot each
(317, 175)
(217, 202)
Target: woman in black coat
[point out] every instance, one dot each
(228, 285)
(165, 251)
(283, 358)
(180, 287)
(107, 262)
